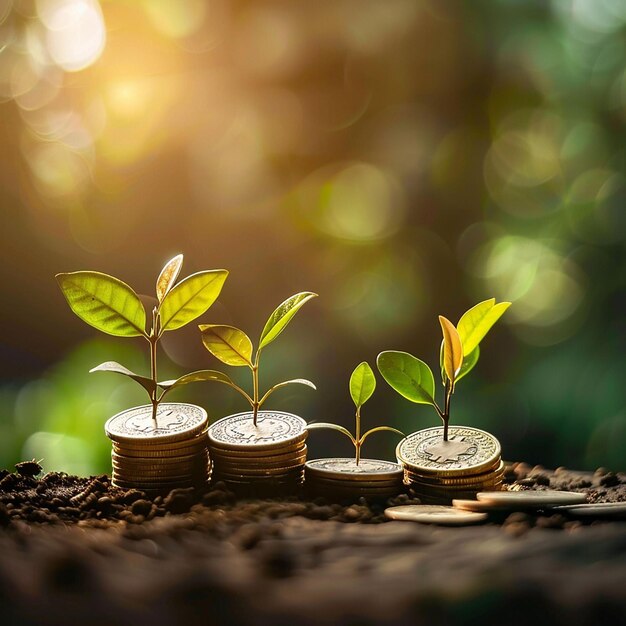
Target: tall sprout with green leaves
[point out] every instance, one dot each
(233, 347)
(459, 353)
(111, 306)
(362, 386)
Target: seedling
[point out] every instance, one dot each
(362, 386)
(459, 353)
(233, 347)
(112, 307)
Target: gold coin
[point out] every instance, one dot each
(330, 482)
(200, 439)
(347, 469)
(281, 462)
(160, 461)
(258, 454)
(174, 421)
(467, 451)
(476, 479)
(272, 430)
(531, 499)
(428, 514)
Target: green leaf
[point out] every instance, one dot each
(452, 349)
(378, 429)
(298, 381)
(362, 384)
(191, 298)
(104, 302)
(282, 316)
(341, 429)
(201, 376)
(409, 376)
(112, 366)
(468, 363)
(475, 323)
(168, 276)
(227, 343)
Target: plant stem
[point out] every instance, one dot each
(154, 338)
(446, 410)
(255, 388)
(358, 435)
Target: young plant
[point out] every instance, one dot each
(112, 307)
(233, 347)
(362, 385)
(459, 353)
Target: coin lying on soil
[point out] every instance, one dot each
(434, 514)
(530, 499)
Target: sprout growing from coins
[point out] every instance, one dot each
(362, 386)
(459, 353)
(233, 347)
(111, 306)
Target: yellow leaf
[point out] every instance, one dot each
(452, 349)
(168, 276)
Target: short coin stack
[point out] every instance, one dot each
(339, 479)
(158, 457)
(264, 459)
(438, 471)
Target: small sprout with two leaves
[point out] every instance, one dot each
(459, 353)
(111, 306)
(362, 386)
(233, 347)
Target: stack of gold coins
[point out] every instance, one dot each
(341, 479)
(265, 458)
(439, 471)
(158, 456)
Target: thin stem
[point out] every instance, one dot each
(255, 387)
(358, 434)
(154, 338)
(446, 414)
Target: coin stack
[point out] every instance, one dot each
(158, 457)
(439, 471)
(343, 479)
(264, 459)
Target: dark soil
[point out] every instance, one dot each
(77, 550)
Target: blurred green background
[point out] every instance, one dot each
(403, 159)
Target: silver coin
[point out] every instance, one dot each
(347, 469)
(468, 450)
(273, 430)
(530, 499)
(598, 509)
(175, 421)
(434, 514)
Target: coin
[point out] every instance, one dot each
(258, 454)
(468, 450)
(530, 499)
(347, 469)
(175, 421)
(433, 514)
(469, 482)
(271, 461)
(273, 430)
(133, 460)
(474, 505)
(598, 509)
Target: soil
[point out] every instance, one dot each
(77, 550)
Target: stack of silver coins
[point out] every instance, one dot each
(343, 479)
(159, 456)
(439, 471)
(265, 458)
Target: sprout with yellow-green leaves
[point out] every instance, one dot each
(459, 353)
(113, 307)
(233, 347)
(362, 386)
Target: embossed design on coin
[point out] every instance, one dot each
(451, 450)
(468, 449)
(273, 427)
(174, 421)
(348, 466)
